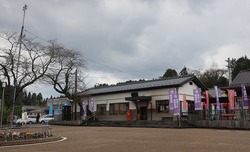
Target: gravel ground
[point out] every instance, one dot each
(115, 139)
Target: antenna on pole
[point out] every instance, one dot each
(18, 62)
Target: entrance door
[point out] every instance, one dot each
(143, 113)
(66, 113)
(142, 108)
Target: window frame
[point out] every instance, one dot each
(101, 109)
(162, 106)
(118, 108)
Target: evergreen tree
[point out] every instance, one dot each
(242, 63)
(26, 100)
(39, 99)
(183, 71)
(33, 99)
(214, 77)
(170, 73)
(29, 99)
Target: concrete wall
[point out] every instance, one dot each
(230, 124)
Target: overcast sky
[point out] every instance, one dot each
(137, 39)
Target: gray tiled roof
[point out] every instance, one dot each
(242, 78)
(141, 85)
(212, 93)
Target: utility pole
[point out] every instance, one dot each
(18, 62)
(231, 65)
(75, 92)
(2, 105)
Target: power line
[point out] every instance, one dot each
(36, 36)
(107, 66)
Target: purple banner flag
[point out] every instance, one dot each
(176, 104)
(172, 92)
(244, 97)
(84, 108)
(92, 104)
(197, 99)
(217, 98)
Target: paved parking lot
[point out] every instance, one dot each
(106, 139)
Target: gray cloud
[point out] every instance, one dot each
(137, 39)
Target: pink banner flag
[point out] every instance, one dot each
(231, 99)
(207, 99)
(184, 101)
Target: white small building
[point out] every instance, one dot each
(61, 108)
(33, 110)
(141, 100)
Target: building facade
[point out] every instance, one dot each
(61, 108)
(142, 100)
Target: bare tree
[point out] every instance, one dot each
(35, 60)
(212, 76)
(62, 73)
(53, 64)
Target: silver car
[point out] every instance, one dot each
(31, 120)
(46, 118)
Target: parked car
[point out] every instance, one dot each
(15, 118)
(31, 120)
(46, 118)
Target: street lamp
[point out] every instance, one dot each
(3, 86)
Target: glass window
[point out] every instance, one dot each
(101, 109)
(191, 109)
(118, 108)
(112, 109)
(123, 108)
(162, 106)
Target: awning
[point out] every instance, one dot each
(139, 98)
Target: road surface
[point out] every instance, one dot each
(115, 139)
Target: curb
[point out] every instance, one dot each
(29, 141)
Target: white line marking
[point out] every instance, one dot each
(50, 142)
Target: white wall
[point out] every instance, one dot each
(156, 94)
(188, 90)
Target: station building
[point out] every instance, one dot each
(142, 100)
